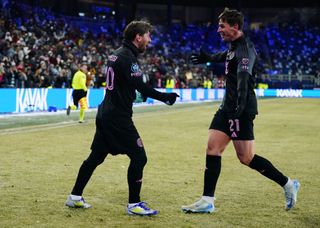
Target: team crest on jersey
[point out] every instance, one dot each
(135, 70)
(245, 61)
(112, 58)
(139, 142)
(230, 55)
(245, 64)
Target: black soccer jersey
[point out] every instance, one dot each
(123, 78)
(240, 61)
(240, 77)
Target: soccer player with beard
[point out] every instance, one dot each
(115, 130)
(234, 119)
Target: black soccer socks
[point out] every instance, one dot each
(266, 168)
(135, 174)
(211, 174)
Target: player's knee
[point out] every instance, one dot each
(213, 150)
(245, 160)
(142, 161)
(135, 170)
(139, 161)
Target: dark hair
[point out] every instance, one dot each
(136, 27)
(232, 17)
(84, 64)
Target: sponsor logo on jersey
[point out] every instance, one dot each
(135, 70)
(112, 58)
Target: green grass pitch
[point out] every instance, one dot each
(40, 157)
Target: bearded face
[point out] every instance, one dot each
(143, 41)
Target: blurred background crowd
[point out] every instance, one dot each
(40, 47)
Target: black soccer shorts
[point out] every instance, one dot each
(116, 135)
(236, 128)
(77, 94)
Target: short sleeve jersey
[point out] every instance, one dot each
(79, 81)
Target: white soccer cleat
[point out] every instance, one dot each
(291, 192)
(142, 209)
(79, 203)
(200, 206)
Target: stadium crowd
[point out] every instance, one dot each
(40, 49)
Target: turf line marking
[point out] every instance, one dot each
(35, 128)
(45, 127)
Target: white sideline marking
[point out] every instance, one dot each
(35, 128)
(45, 113)
(59, 112)
(45, 127)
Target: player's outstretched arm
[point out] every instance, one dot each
(204, 57)
(171, 98)
(134, 76)
(146, 91)
(199, 58)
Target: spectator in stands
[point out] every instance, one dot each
(2, 76)
(207, 83)
(53, 39)
(170, 82)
